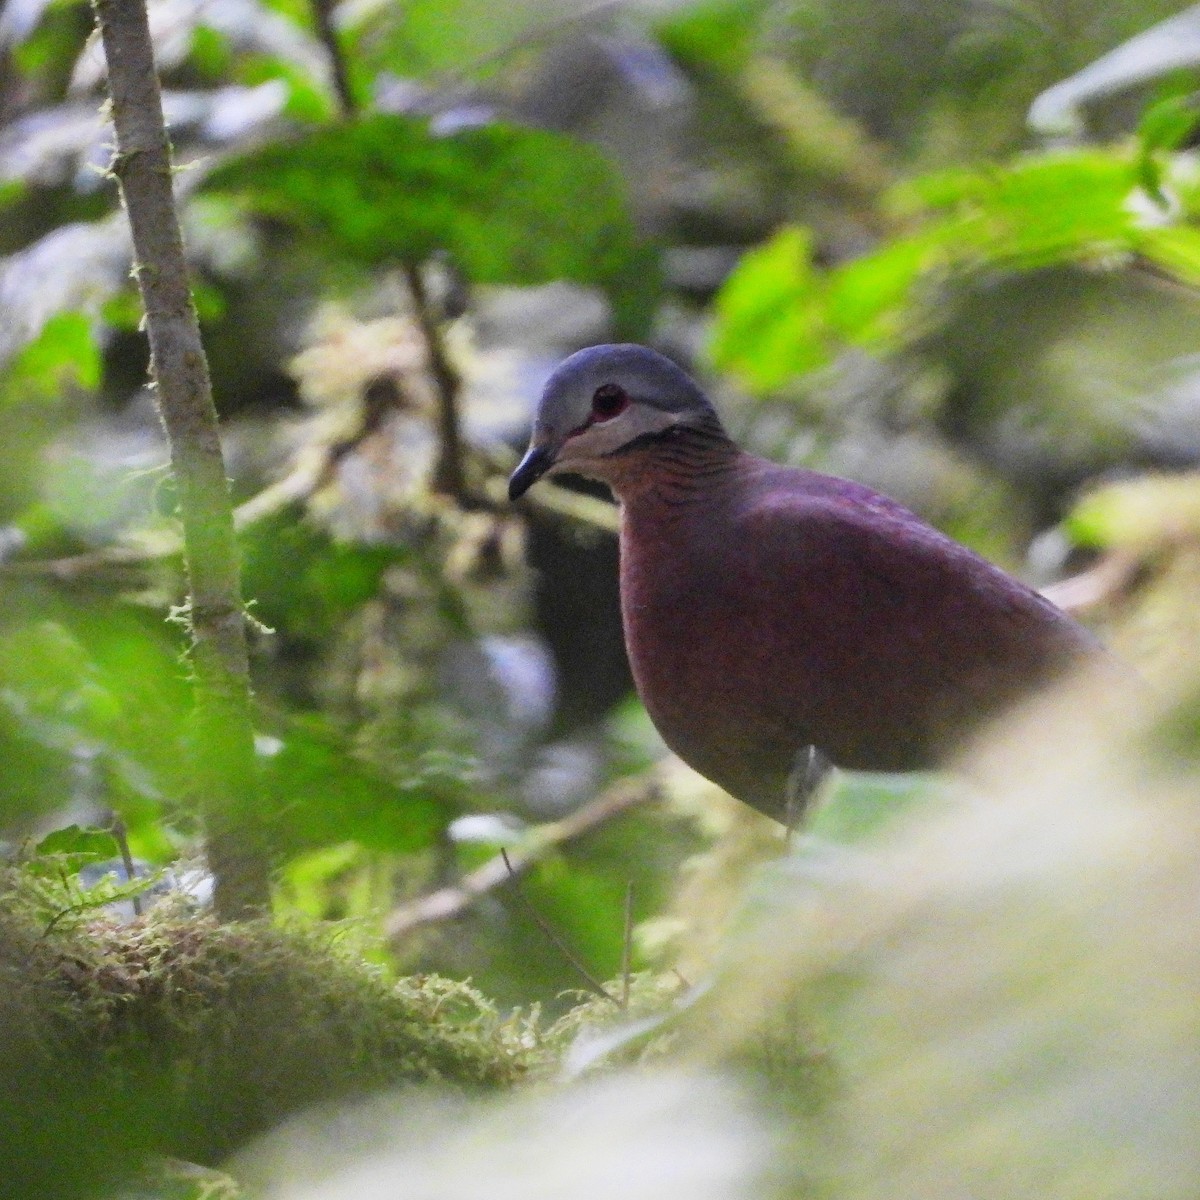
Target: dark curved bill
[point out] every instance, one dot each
(537, 461)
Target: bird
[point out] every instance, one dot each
(780, 621)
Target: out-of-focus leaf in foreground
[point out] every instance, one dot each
(91, 713)
(1004, 983)
(642, 1138)
(513, 206)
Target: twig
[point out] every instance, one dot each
(448, 902)
(536, 36)
(223, 760)
(322, 11)
(575, 506)
(311, 470)
(593, 984)
(1109, 577)
(77, 566)
(627, 946)
(117, 828)
(448, 477)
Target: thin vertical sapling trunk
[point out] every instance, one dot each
(223, 736)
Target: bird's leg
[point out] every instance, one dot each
(809, 770)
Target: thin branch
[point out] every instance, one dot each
(322, 11)
(538, 36)
(120, 836)
(453, 901)
(311, 468)
(310, 471)
(592, 983)
(558, 501)
(1110, 577)
(223, 739)
(627, 946)
(72, 567)
(448, 476)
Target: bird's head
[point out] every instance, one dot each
(600, 404)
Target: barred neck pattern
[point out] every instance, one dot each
(676, 468)
(686, 467)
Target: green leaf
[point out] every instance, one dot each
(307, 103)
(304, 581)
(1167, 124)
(98, 844)
(771, 321)
(62, 357)
(778, 315)
(92, 700)
(323, 795)
(510, 205)
(1139, 514)
(11, 190)
(57, 677)
(1174, 248)
(211, 54)
(715, 34)
(1057, 208)
(866, 297)
(464, 38)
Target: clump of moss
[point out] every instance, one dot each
(188, 1037)
(599, 1033)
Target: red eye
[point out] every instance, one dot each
(609, 400)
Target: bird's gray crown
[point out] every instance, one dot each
(648, 377)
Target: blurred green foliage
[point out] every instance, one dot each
(837, 206)
(63, 356)
(508, 205)
(780, 315)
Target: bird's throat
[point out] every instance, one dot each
(672, 466)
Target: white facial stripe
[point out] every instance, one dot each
(604, 437)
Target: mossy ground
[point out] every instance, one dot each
(173, 1034)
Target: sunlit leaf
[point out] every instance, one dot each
(867, 296)
(1165, 125)
(1175, 248)
(770, 319)
(62, 357)
(779, 315)
(1138, 513)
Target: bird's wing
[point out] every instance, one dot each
(915, 618)
(846, 539)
